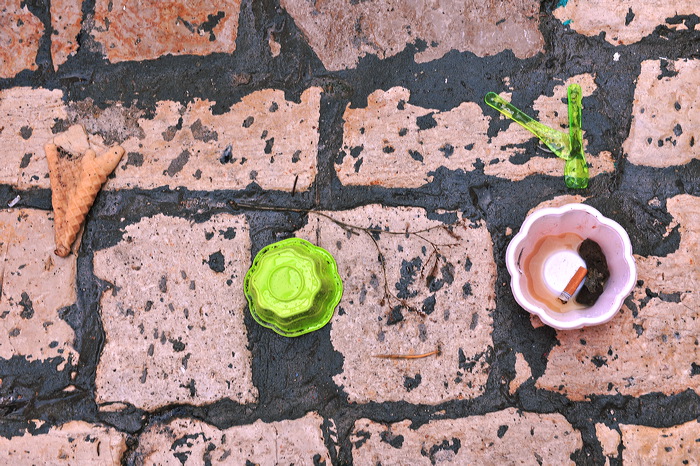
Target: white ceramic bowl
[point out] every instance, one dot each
(586, 222)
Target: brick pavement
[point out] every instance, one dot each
(139, 348)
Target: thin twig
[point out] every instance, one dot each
(294, 188)
(433, 270)
(241, 205)
(387, 294)
(451, 233)
(687, 307)
(389, 298)
(437, 352)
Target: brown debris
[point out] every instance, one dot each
(436, 352)
(598, 272)
(75, 181)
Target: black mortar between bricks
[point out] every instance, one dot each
(502, 204)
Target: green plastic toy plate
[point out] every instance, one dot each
(293, 287)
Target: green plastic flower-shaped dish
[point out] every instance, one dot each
(293, 287)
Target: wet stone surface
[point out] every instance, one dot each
(434, 292)
(665, 125)
(66, 18)
(670, 445)
(362, 127)
(625, 21)
(20, 34)
(295, 441)
(502, 437)
(36, 286)
(173, 313)
(27, 117)
(343, 31)
(393, 143)
(76, 442)
(265, 139)
(197, 27)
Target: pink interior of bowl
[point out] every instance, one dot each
(587, 223)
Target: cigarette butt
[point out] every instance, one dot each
(575, 281)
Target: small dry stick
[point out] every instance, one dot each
(294, 188)
(241, 205)
(354, 229)
(437, 352)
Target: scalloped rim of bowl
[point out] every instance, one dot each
(535, 308)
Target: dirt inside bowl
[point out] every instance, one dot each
(598, 272)
(568, 251)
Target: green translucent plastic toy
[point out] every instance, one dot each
(576, 168)
(293, 287)
(566, 146)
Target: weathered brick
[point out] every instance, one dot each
(150, 28)
(27, 116)
(426, 301)
(35, 285)
(342, 32)
(661, 314)
(679, 271)
(670, 445)
(396, 144)
(66, 18)
(264, 139)
(503, 437)
(173, 318)
(75, 442)
(522, 373)
(189, 441)
(272, 142)
(536, 322)
(20, 33)
(624, 21)
(665, 119)
(609, 439)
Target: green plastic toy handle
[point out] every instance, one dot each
(557, 141)
(576, 168)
